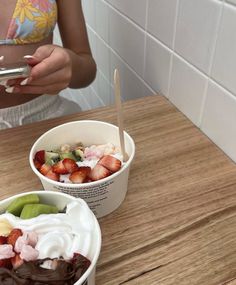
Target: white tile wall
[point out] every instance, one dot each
(187, 88)
(196, 31)
(128, 40)
(225, 56)
(131, 9)
(157, 67)
(219, 118)
(161, 20)
(184, 49)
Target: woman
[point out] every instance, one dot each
(26, 33)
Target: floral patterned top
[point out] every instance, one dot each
(32, 21)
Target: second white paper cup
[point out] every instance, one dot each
(60, 200)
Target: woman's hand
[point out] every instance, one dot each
(51, 72)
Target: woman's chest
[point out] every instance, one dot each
(7, 8)
(26, 21)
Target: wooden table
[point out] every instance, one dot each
(177, 224)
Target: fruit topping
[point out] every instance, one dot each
(37, 164)
(29, 253)
(3, 240)
(40, 156)
(52, 175)
(64, 164)
(70, 165)
(45, 168)
(33, 210)
(13, 236)
(80, 175)
(6, 251)
(25, 207)
(16, 261)
(18, 204)
(99, 172)
(59, 168)
(110, 162)
(69, 155)
(5, 228)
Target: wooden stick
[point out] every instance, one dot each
(119, 114)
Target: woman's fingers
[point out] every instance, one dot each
(30, 89)
(51, 72)
(61, 75)
(50, 62)
(60, 78)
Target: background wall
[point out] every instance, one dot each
(183, 49)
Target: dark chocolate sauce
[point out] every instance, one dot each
(31, 272)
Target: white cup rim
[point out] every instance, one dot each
(88, 184)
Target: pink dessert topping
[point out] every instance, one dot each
(29, 253)
(6, 251)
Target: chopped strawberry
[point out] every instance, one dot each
(99, 172)
(45, 168)
(13, 236)
(3, 240)
(16, 261)
(110, 162)
(80, 175)
(37, 164)
(6, 263)
(70, 165)
(59, 168)
(52, 175)
(87, 180)
(40, 156)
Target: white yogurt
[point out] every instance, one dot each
(62, 234)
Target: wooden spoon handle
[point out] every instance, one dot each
(119, 113)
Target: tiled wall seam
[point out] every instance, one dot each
(210, 66)
(159, 42)
(124, 62)
(172, 46)
(145, 39)
(134, 23)
(121, 58)
(121, 14)
(147, 34)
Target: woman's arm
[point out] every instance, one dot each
(75, 39)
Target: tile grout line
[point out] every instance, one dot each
(145, 40)
(172, 47)
(209, 72)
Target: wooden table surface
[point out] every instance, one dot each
(177, 224)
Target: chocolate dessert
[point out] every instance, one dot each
(62, 272)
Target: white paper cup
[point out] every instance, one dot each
(102, 196)
(60, 200)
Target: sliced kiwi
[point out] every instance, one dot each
(78, 153)
(18, 204)
(67, 155)
(51, 157)
(33, 210)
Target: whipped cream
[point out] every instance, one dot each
(62, 234)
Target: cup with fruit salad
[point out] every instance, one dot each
(83, 159)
